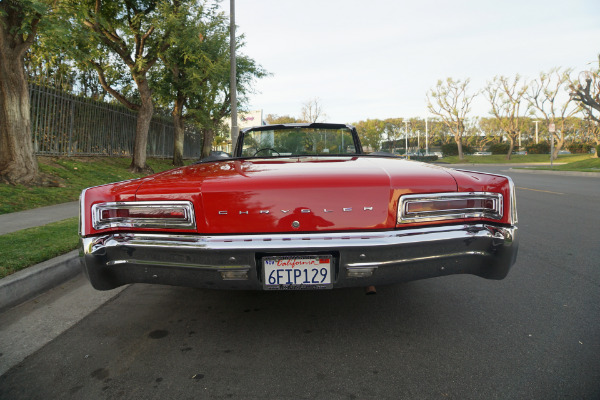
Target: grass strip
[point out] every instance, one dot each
(21, 249)
(514, 159)
(590, 165)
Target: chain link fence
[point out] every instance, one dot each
(67, 125)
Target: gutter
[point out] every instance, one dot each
(35, 280)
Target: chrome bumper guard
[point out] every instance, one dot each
(360, 258)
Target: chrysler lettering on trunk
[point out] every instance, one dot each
(302, 211)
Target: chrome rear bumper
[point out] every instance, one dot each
(360, 258)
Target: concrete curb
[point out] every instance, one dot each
(30, 282)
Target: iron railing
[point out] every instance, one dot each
(68, 125)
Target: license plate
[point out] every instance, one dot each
(297, 272)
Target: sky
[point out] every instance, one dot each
(378, 59)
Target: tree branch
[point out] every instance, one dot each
(109, 89)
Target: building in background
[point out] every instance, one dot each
(248, 119)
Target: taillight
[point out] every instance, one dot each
(144, 214)
(444, 206)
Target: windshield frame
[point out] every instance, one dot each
(240, 142)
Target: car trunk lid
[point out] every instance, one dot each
(300, 194)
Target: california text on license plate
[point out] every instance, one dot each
(297, 272)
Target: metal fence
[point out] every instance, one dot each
(68, 125)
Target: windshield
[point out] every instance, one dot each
(298, 141)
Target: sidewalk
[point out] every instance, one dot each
(30, 282)
(63, 296)
(37, 217)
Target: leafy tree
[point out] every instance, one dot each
(122, 41)
(505, 97)
(212, 102)
(281, 119)
(19, 23)
(488, 132)
(393, 131)
(438, 132)
(194, 55)
(46, 63)
(371, 133)
(543, 96)
(450, 101)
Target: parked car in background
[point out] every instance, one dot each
(298, 206)
(482, 153)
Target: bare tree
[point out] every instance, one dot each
(505, 97)
(312, 111)
(450, 101)
(586, 91)
(543, 94)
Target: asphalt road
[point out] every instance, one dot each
(534, 335)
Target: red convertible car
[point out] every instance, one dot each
(298, 206)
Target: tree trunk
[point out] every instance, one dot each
(460, 149)
(138, 162)
(511, 147)
(18, 164)
(178, 133)
(207, 142)
(458, 138)
(560, 141)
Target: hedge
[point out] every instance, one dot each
(540, 148)
(579, 148)
(451, 149)
(424, 158)
(499, 148)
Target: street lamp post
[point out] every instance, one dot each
(232, 77)
(551, 129)
(406, 138)
(426, 138)
(536, 131)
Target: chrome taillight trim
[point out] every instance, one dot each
(187, 222)
(513, 202)
(406, 217)
(82, 212)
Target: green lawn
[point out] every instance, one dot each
(515, 159)
(587, 165)
(19, 250)
(71, 175)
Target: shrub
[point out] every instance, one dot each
(598, 150)
(424, 158)
(451, 149)
(499, 148)
(579, 148)
(540, 148)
